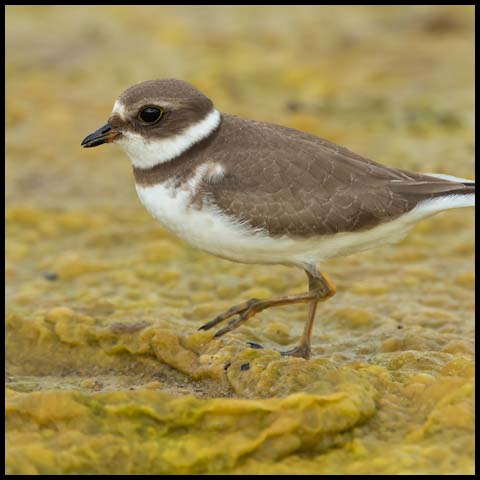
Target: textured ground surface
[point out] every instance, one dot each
(106, 371)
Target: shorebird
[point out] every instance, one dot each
(259, 193)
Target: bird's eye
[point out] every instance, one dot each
(150, 115)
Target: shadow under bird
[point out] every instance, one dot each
(255, 192)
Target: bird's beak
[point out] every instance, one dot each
(104, 134)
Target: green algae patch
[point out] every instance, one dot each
(140, 398)
(106, 369)
(152, 432)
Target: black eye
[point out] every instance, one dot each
(150, 114)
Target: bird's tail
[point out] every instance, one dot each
(450, 192)
(434, 192)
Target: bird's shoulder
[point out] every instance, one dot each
(247, 148)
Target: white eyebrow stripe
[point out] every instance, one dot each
(119, 109)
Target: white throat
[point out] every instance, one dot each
(148, 153)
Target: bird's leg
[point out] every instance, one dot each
(320, 288)
(323, 288)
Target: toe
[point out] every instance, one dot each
(235, 310)
(300, 351)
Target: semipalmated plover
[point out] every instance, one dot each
(255, 192)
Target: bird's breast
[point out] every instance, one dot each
(200, 223)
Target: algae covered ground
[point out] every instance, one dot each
(106, 370)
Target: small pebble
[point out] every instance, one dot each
(245, 366)
(50, 276)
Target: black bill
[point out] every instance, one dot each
(104, 134)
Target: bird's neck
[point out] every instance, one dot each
(148, 153)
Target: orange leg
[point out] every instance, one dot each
(320, 289)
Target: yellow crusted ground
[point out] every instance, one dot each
(106, 371)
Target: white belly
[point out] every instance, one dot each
(207, 228)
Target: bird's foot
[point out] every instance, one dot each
(239, 309)
(238, 320)
(302, 351)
